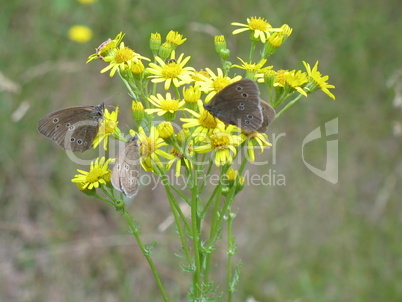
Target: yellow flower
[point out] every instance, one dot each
(137, 67)
(291, 80)
(260, 28)
(105, 47)
(316, 80)
(286, 30)
(86, 1)
(137, 111)
(164, 105)
(214, 83)
(191, 94)
(151, 149)
(255, 140)
(155, 42)
(107, 127)
(220, 43)
(80, 33)
(175, 38)
(165, 130)
(172, 71)
(99, 174)
(223, 143)
(165, 50)
(204, 121)
(275, 40)
(251, 68)
(232, 174)
(121, 58)
(199, 76)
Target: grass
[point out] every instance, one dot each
(306, 241)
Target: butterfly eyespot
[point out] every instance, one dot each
(71, 128)
(68, 125)
(79, 141)
(250, 116)
(247, 122)
(72, 139)
(85, 144)
(239, 88)
(244, 95)
(55, 120)
(240, 107)
(57, 126)
(126, 167)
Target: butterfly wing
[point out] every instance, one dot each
(125, 173)
(238, 104)
(268, 114)
(72, 128)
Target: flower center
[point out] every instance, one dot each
(258, 24)
(176, 153)
(123, 55)
(220, 83)
(171, 70)
(169, 105)
(94, 175)
(110, 126)
(220, 141)
(281, 76)
(207, 120)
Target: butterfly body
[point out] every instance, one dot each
(238, 104)
(73, 128)
(125, 173)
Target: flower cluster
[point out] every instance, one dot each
(184, 123)
(189, 136)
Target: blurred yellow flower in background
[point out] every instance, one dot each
(80, 33)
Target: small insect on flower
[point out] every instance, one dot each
(171, 71)
(106, 47)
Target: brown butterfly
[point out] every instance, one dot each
(268, 115)
(73, 128)
(238, 104)
(126, 171)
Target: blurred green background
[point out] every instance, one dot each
(307, 241)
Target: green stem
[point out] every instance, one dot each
(176, 207)
(131, 92)
(179, 193)
(146, 252)
(230, 254)
(175, 211)
(196, 236)
(288, 105)
(177, 92)
(252, 49)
